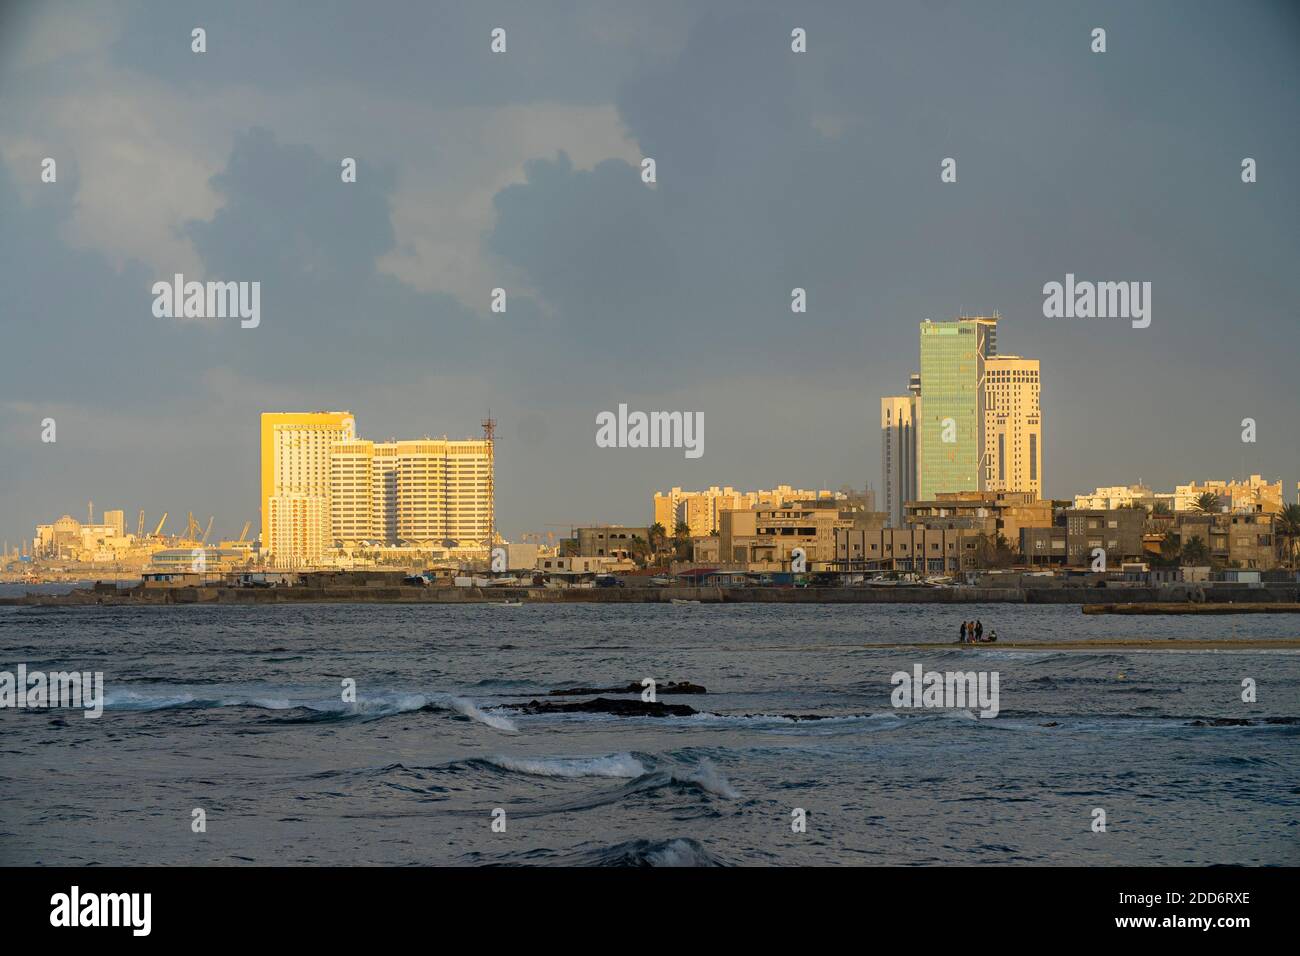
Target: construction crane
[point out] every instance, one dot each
(161, 521)
(207, 531)
(191, 527)
(243, 535)
(139, 526)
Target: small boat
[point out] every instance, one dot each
(684, 601)
(509, 602)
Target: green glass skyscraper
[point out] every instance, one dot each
(950, 416)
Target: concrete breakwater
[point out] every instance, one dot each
(1162, 607)
(1202, 598)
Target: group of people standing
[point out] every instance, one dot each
(972, 632)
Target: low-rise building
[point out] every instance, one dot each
(1115, 531)
(607, 541)
(764, 538)
(1239, 539)
(1253, 494)
(702, 511)
(992, 512)
(1043, 546)
(1122, 496)
(915, 549)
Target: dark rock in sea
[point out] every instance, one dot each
(1050, 723)
(1224, 722)
(608, 705)
(793, 716)
(634, 687)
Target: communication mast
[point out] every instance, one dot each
(489, 436)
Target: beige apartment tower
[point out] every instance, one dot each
(898, 470)
(1013, 425)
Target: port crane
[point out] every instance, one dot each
(161, 521)
(207, 531)
(139, 526)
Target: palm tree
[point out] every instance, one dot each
(639, 551)
(682, 541)
(1206, 502)
(1195, 553)
(1160, 508)
(1288, 529)
(658, 537)
(1170, 548)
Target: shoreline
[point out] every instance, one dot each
(1275, 599)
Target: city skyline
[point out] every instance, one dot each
(475, 174)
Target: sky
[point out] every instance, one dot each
(522, 171)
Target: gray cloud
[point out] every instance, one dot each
(775, 170)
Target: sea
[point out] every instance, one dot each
(227, 738)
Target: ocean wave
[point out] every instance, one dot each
(680, 852)
(610, 765)
(467, 708)
(703, 779)
(307, 710)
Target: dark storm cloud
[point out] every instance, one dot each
(775, 170)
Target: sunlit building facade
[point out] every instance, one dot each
(1013, 425)
(296, 450)
(951, 409)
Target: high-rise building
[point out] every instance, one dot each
(950, 414)
(420, 492)
(898, 469)
(296, 449)
(1013, 429)
(383, 490)
(444, 491)
(352, 492)
(299, 529)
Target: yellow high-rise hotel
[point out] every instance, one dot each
(324, 488)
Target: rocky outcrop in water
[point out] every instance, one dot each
(608, 705)
(633, 687)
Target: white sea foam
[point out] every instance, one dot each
(678, 853)
(470, 710)
(710, 778)
(610, 765)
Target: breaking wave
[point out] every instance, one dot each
(612, 765)
(307, 710)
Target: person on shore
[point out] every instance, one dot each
(963, 633)
(979, 631)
